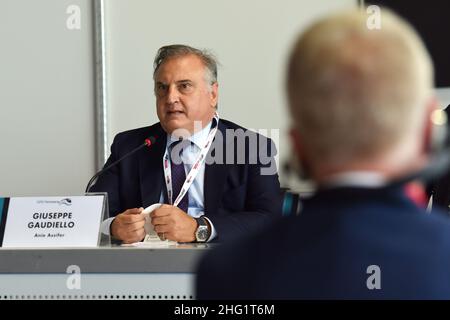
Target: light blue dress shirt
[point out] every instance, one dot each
(196, 206)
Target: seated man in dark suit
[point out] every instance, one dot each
(216, 179)
(361, 102)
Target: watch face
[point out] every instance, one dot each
(202, 234)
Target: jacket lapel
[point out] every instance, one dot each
(151, 170)
(215, 174)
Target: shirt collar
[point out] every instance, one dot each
(198, 138)
(365, 179)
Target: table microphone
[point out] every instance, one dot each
(147, 143)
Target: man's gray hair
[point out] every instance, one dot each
(356, 92)
(176, 50)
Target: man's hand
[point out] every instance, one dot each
(176, 224)
(128, 226)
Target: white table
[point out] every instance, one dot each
(105, 273)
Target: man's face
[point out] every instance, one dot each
(183, 95)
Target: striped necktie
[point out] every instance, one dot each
(178, 173)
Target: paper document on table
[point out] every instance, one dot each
(151, 237)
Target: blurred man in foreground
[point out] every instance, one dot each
(361, 102)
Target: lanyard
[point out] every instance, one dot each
(194, 170)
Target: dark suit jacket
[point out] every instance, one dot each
(237, 198)
(325, 252)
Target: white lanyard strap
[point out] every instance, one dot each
(194, 170)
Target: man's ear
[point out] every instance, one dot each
(298, 162)
(296, 142)
(214, 94)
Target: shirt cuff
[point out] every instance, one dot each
(213, 230)
(106, 225)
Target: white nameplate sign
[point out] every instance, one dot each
(52, 221)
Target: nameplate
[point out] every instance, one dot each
(28, 222)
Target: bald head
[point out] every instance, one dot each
(356, 93)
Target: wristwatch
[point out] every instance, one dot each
(202, 232)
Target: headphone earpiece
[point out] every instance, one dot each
(439, 131)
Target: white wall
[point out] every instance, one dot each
(251, 39)
(46, 98)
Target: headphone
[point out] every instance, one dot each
(439, 151)
(439, 164)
